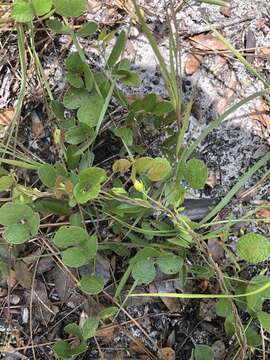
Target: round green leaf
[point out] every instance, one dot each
(57, 27)
(16, 233)
(70, 8)
(203, 352)
(90, 327)
(196, 173)
(42, 7)
(73, 329)
(90, 246)
(75, 80)
(68, 236)
(92, 284)
(83, 192)
(88, 29)
(89, 111)
(47, 175)
(74, 257)
(74, 98)
(62, 349)
(253, 248)
(22, 11)
(159, 170)
(33, 223)
(169, 263)
(13, 213)
(126, 135)
(74, 63)
(143, 272)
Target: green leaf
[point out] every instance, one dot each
(203, 271)
(92, 284)
(159, 170)
(13, 213)
(90, 110)
(255, 302)
(3, 271)
(75, 80)
(58, 110)
(54, 206)
(87, 29)
(74, 257)
(62, 349)
(68, 236)
(57, 26)
(117, 49)
(264, 319)
(170, 263)
(174, 194)
(121, 165)
(76, 135)
(22, 11)
(196, 173)
(90, 246)
(74, 63)
(223, 308)
(144, 272)
(130, 78)
(72, 159)
(74, 98)
(73, 329)
(253, 339)
(126, 135)
(203, 352)
(253, 248)
(163, 107)
(47, 175)
(88, 186)
(33, 223)
(82, 347)
(16, 233)
(108, 312)
(90, 327)
(69, 8)
(6, 182)
(42, 7)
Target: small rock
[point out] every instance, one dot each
(219, 350)
(15, 299)
(37, 126)
(216, 250)
(225, 11)
(3, 292)
(207, 310)
(25, 315)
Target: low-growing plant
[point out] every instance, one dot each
(141, 199)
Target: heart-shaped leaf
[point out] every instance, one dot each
(195, 173)
(144, 272)
(253, 248)
(70, 8)
(170, 263)
(92, 284)
(90, 327)
(74, 257)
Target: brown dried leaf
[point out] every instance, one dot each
(262, 113)
(23, 275)
(6, 116)
(264, 212)
(193, 63)
(208, 42)
(166, 353)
